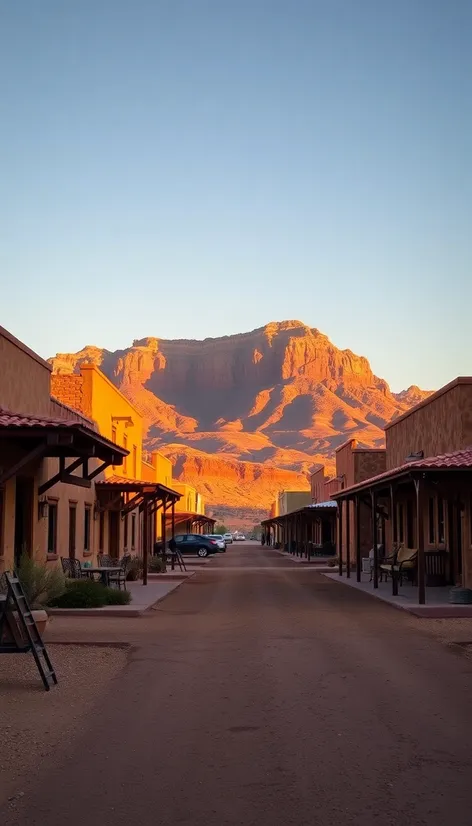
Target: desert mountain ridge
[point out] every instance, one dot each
(245, 415)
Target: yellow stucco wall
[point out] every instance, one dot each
(292, 500)
(117, 419)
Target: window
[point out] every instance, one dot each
(87, 521)
(101, 531)
(441, 534)
(113, 435)
(2, 508)
(401, 527)
(135, 462)
(432, 525)
(410, 539)
(125, 532)
(72, 528)
(133, 530)
(52, 527)
(125, 458)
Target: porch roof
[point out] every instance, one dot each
(45, 436)
(459, 460)
(121, 484)
(183, 516)
(313, 509)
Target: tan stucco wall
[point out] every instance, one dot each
(31, 393)
(292, 500)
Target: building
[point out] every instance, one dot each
(130, 499)
(422, 499)
(51, 457)
(291, 500)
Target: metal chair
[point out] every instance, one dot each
(72, 568)
(119, 579)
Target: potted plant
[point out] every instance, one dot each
(40, 585)
(135, 568)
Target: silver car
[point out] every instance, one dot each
(218, 538)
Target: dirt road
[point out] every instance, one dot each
(269, 697)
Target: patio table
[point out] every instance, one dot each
(103, 570)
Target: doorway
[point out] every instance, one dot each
(24, 497)
(114, 534)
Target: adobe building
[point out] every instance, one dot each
(422, 500)
(50, 458)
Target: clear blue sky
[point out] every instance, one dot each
(194, 168)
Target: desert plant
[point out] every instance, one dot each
(115, 597)
(156, 565)
(135, 568)
(85, 593)
(40, 583)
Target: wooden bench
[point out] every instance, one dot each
(401, 564)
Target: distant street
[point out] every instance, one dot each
(269, 698)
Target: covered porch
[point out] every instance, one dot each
(190, 522)
(307, 532)
(38, 455)
(120, 497)
(420, 527)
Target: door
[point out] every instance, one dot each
(114, 534)
(24, 497)
(72, 530)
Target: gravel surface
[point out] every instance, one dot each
(35, 723)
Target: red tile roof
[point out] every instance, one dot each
(9, 419)
(458, 460)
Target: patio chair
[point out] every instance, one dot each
(106, 561)
(119, 579)
(72, 568)
(402, 567)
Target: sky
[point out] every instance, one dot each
(195, 168)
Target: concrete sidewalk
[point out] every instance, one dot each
(143, 597)
(437, 605)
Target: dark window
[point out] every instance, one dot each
(395, 526)
(410, 540)
(432, 533)
(135, 462)
(72, 530)
(401, 527)
(2, 508)
(125, 458)
(101, 531)
(179, 538)
(87, 521)
(133, 530)
(125, 531)
(52, 528)
(441, 534)
(113, 435)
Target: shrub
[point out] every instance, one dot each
(135, 568)
(41, 584)
(156, 565)
(85, 593)
(115, 597)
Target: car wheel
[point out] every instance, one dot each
(202, 552)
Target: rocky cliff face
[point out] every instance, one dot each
(282, 396)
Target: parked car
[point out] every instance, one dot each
(218, 537)
(228, 538)
(194, 543)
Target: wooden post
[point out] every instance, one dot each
(348, 539)
(164, 525)
(145, 540)
(420, 541)
(373, 497)
(340, 537)
(358, 539)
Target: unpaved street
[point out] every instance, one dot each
(269, 697)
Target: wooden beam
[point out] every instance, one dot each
(98, 470)
(340, 536)
(358, 539)
(348, 539)
(374, 537)
(78, 481)
(37, 453)
(420, 540)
